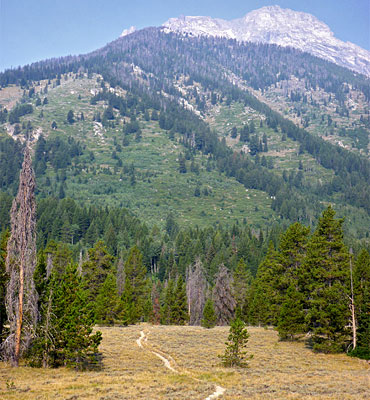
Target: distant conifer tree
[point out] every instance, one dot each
(209, 316)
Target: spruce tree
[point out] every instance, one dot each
(209, 316)
(155, 315)
(136, 289)
(65, 332)
(235, 354)
(107, 305)
(169, 301)
(96, 268)
(266, 301)
(128, 313)
(362, 304)
(327, 283)
(291, 320)
(179, 311)
(242, 279)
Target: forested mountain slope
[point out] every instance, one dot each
(285, 99)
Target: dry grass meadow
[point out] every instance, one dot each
(279, 370)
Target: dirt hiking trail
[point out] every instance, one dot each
(170, 364)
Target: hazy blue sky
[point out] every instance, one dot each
(31, 30)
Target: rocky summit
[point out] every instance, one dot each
(283, 27)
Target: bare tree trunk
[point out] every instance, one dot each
(21, 295)
(20, 316)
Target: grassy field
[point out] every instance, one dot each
(279, 370)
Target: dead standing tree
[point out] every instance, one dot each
(223, 298)
(196, 286)
(21, 295)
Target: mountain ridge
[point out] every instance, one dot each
(283, 27)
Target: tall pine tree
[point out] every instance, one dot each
(327, 282)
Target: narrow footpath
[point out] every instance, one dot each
(142, 341)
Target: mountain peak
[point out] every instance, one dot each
(283, 27)
(128, 31)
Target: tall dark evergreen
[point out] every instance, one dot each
(242, 279)
(107, 302)
(65, 334)
(209, 316)
(179, 312)
(327, 266)
(266, 298)
(291, 321)
(136, 289)
(362, 304)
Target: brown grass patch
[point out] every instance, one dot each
(279, 370)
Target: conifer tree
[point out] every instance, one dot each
(128, 314)
(136, 290)
(292, 251)
(242, 279)
(266, 296)
(179, 312)
(96, 268)
(362, 304)
(209, 316)
(235, 354)
(65, 332)
(327, 263)
(291, 320)
(169, 301)
(107, 305)
(21, 295)
(155, 316)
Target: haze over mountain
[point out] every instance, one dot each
(284, 27)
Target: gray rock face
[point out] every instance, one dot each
(279, 26)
